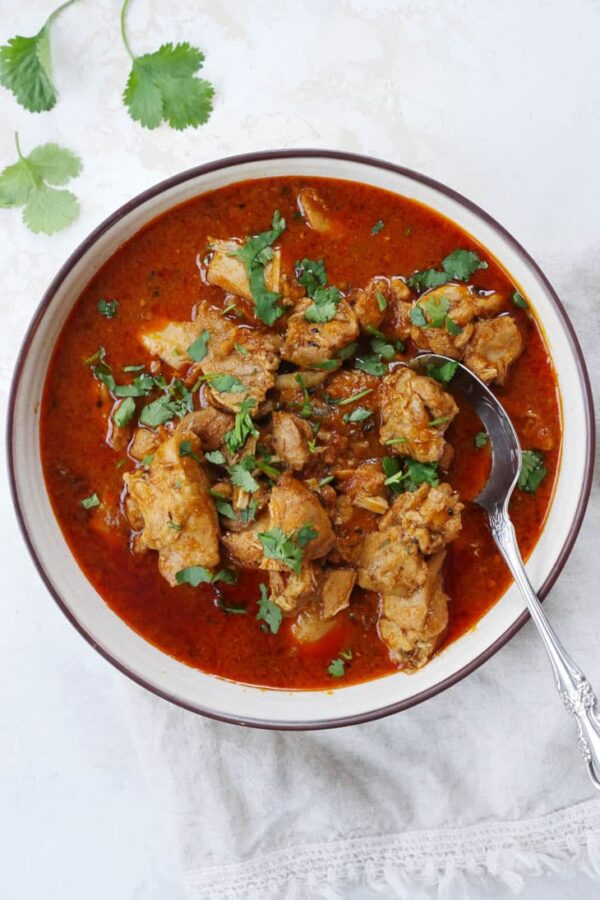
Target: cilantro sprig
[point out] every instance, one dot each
(268, 612)
(27, 183)
(25, 67)
(533, 471)
(163, 86)
(408, 474)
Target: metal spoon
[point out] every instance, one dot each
(573, 687)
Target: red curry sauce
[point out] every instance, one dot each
(154, 276)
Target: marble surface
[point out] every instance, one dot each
(498, 100)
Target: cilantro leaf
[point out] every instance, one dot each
(481, 439)
(243, 427)
(337, 668)
(231, 607)
(194, 575)
(224, 383)
(381, 301)
(198, 350)
(224, 508)
(45, 209)
(382, 348)
(408, 474)
(277, 544)
(268, 611)
(442, 372)
(311, 274)
(372, 364)
(91, 502)
(358, 415)
(215, 457)
(124, 412)
(533, 471)
(25, 67)
(107, 308)
(158, 412)
(164, 86)
(243, 479)
(462, 264)
(459, 265)
(377, 227)
(254, 256)
(185, 449)
(348, 351)
(345, 401)
(519, 301)
(324, 305)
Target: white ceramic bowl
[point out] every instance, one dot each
(217, 697)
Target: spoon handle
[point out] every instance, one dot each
(574, 689)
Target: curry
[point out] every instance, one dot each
(243, 461)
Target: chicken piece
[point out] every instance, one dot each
(244, 546)
(229, 272)
(179, 517)
(430, 516)
(210, 424)
(390, 564)
(171, 342)
(417, 410)
(495, 344)
(310, 626)
(291, 507)
(316, 214)
(411, 626)
(369, 308)
(366, 488)
(307, 343)
(290, 436)
(143, 443)
(487, 303)
(335, 591)
(461, 311)
(255, 368)
(291, 591)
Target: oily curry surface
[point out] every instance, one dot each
(241, 460)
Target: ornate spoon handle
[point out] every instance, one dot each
(574, 689)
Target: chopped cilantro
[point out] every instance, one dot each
(124, 412)
(481, 439)
(268, 611)
(377, 227)
(306, 410)
(277, 544)
(327, 480)
(382, 348)
(358, 415)
(519, 301)
(310, 273)
(215, 457)
(231, 608)
(242, 478)
(243, 351)
(147, 460)
(227, 576)
(381, 301)
(175, 526)
(324, 305)
(194, 575)
(224, 508)
(243, 427)
(91, 502)
(442, 372)
(224, 383)
(327, 365)
(158, 412)
(255, 254)
(107, 308)
(441, 420)
(533, 471)
(185, 449)
(372, 364)
(459, 265)
(198, 350)
(408, 474)
(139, 368)
(358, 396)
(348, 351)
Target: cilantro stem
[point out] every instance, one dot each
(57, 12)
(123, 28)
(18, 145)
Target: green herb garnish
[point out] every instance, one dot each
(107, 308)
(481, 439)
(377, 227)
(408, 474)
(519, 301)
(442, 372)
(324, 305)
(255, 254)
(124, 413)
(215, 457)
(27, 183)
(268, 611)
(288, 548)
(243, 427)
(198, 350)
(91, 502)
(241, 477)
(163, 85)
(358, 396)
(25, 67)
(358, 415)
(310, 273)
(185, 449)
(459, 265)
(533, 471)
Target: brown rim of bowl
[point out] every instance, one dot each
(225, 163)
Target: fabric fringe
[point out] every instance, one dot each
(456, 861)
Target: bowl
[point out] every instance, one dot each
(217, 697)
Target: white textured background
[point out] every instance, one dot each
(498, 99)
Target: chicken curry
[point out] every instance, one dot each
(251, 473)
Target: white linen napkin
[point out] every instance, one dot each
(482, 783)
